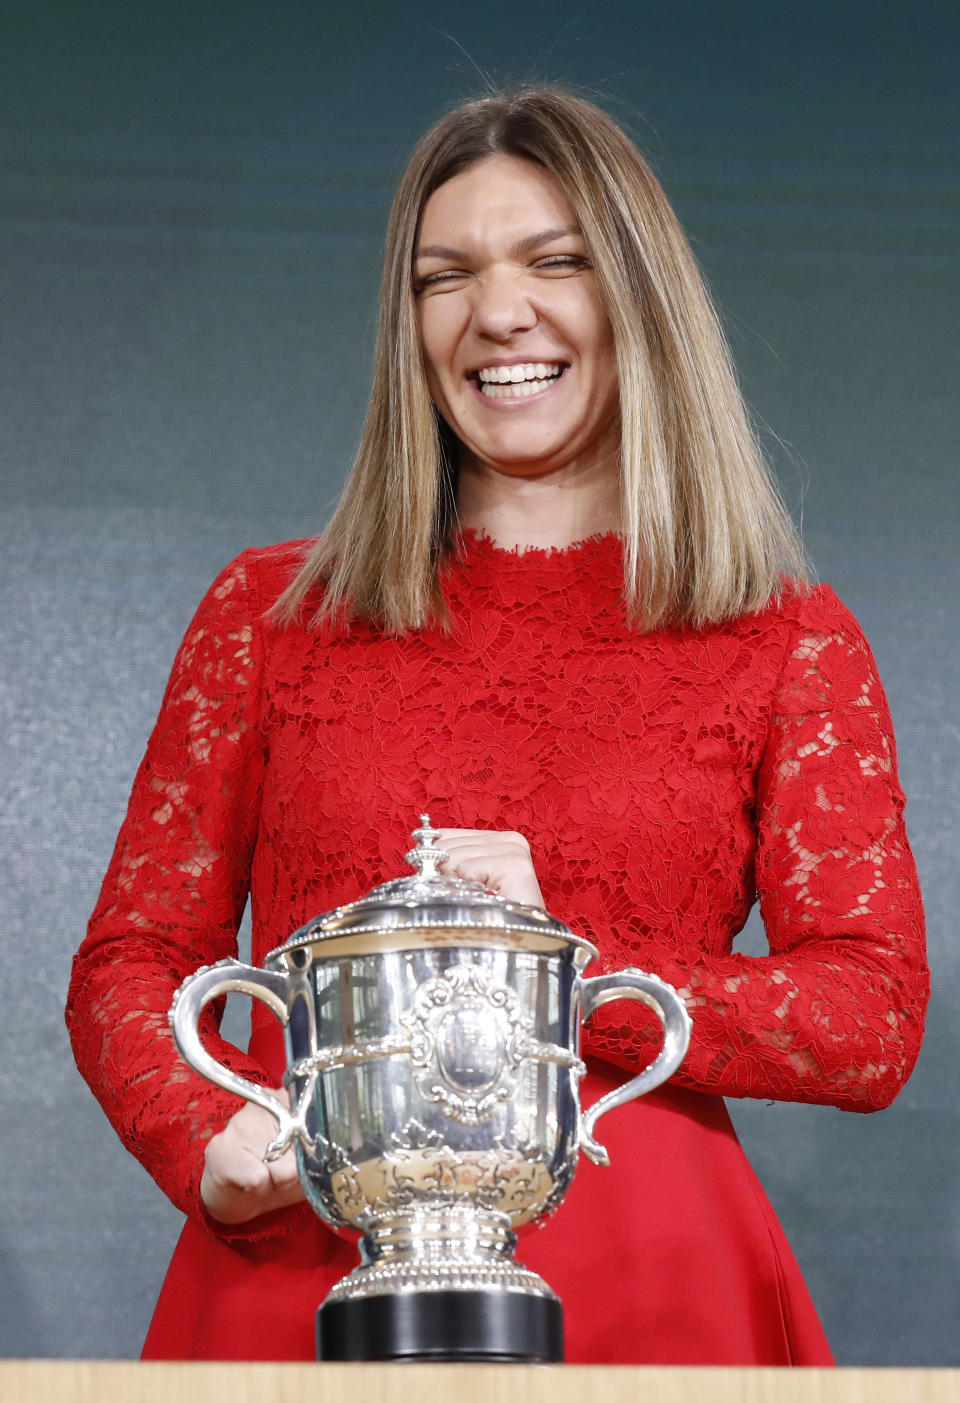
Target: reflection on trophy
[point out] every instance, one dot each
(432, 1036)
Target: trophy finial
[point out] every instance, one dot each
(425, 857)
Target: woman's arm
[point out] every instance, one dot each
(834, 1013)
(174, 895)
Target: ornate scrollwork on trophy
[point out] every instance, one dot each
(432, 1178)
(467, 1036)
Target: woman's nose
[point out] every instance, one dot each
(501, 306)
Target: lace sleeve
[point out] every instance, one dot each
(834, 1013)
(174, 895)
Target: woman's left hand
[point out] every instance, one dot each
(500, 861)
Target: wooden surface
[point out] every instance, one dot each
(66, 1381)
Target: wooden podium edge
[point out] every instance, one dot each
(114, 1381)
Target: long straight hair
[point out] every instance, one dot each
(706, 535)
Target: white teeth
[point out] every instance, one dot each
(517, 381)
(521, 391)
(516, 374)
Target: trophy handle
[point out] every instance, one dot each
(196, 991)
(677, 1024)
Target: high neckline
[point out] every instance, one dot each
(578, 580)
(474, 544)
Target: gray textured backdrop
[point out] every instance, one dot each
(191, 208)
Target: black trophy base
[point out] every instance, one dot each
(464, 1327)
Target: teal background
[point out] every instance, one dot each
(192, 201)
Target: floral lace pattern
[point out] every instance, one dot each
(664, 780)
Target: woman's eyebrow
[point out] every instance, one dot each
(532, 241)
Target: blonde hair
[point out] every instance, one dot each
(706, 534)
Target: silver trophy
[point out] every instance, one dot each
(432, 1039)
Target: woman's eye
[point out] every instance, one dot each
(446, 275)
(563, 261)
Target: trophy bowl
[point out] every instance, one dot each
(432, 1036)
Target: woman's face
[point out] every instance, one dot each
(518, 350)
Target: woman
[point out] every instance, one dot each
(548, 607)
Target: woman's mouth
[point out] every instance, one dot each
(516, 382)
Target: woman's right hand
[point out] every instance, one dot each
(237, 1184)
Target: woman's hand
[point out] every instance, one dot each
(237, 1185)
(500, 861)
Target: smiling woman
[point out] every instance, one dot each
(549, 607)
(519, 355)
(705, 534)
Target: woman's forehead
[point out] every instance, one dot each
(502, 196)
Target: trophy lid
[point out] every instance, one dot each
(429, 908)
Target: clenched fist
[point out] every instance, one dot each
(237, 1183)
(500, 861)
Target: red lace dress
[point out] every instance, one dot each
(663, 779)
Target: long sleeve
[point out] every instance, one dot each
(834, 1013)
(174, 895)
